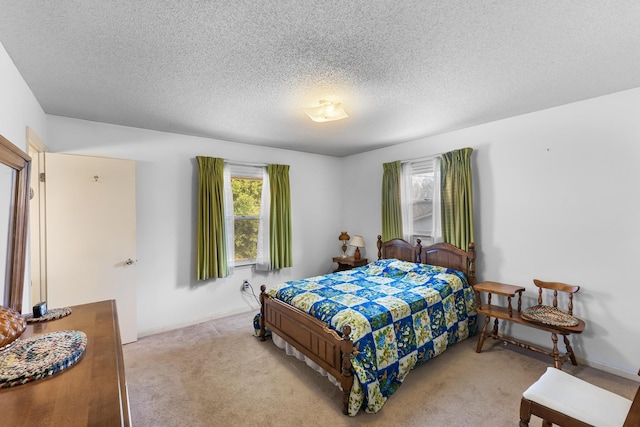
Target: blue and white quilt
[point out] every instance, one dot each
(401, 315)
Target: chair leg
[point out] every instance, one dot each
(525, 412)
(557, 361)
(570, 352)
(483, 334)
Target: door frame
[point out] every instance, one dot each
(37, 224)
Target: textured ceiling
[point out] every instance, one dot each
(243, 70)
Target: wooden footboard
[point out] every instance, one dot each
(311, 337)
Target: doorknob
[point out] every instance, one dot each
(129, 261)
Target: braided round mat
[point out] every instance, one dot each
(54, 313)
(548, 316)
(40, 356)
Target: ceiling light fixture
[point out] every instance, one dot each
(326, 112)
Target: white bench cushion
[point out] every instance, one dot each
(578, 399)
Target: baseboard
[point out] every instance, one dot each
(149, 332)
(517, 331)
(606, 368)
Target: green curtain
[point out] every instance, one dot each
(212, 249)
(391, 206)
(457, 198)
(280, 217)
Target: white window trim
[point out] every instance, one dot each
(409, 167)
(258, 171)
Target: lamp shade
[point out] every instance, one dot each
(357, 241)
(326, 112)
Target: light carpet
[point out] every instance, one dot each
(218, 374)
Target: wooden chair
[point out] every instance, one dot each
(562, 399)
(543, 317)
(559, 329)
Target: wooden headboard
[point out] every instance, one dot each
(397, 249)
(441, 254)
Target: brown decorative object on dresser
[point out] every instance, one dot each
(546, 318)
(325, 346)
(12, 325)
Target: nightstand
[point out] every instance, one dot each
(347, 263)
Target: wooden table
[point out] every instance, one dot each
(348, 262)
(502, 289)
(92, 392)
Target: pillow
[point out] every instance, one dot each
(390, 268)
(430, 270)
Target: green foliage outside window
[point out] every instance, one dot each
(247, 195)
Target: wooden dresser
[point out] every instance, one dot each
(92, 392)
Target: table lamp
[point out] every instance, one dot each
(344, 238)
(358, 242)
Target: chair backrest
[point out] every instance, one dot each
(557, 286)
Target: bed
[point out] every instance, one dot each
(369, 326)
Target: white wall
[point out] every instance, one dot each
(555, 198)
(18, 110)
(168, 294)
(18, 107)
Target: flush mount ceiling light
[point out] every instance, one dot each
(326, 112)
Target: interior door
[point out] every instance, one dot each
(91, 234)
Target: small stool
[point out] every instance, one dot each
(562, 399)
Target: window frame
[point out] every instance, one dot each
(249, 172)
(410, 168)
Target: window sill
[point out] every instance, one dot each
(244, 265)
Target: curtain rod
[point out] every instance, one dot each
(421, 158)
(233, 162)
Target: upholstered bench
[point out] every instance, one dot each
(562, 399)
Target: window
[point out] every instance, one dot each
(420, 200)
(422, 203)
(247, 193)
(247, 185)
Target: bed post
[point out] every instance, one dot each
(417, 255)
(471, 256)
(346, 380)
(263, 295)
(379, 244)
